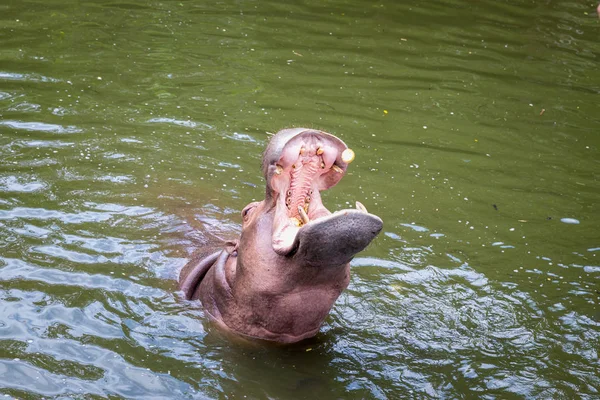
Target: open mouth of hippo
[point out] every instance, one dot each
(309, 162)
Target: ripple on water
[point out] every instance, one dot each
(78, 337)
(40, 127)
(25, 107)
(243, 137)
(44, 143)
(437, 318)
(32, 231)
(28, 213)
(105, 212)
(14, 269)
(115, 178)
(415, 227)
(62, 111)
(117, 376)
(185, 123)
(5, 95)
(22, 183)
(13, 76)
(378, 262)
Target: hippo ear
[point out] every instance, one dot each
(248, 210)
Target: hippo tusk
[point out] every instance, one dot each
(360, 207)
(303, 214)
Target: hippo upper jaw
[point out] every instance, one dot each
(297, 166)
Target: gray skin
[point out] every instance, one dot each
(279, 281)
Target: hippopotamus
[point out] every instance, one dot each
(280, 279)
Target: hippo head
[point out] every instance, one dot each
(298, 164)
(279, 281)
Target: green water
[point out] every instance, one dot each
(131, 133)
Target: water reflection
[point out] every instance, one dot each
(39, 126)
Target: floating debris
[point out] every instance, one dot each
(569, 221)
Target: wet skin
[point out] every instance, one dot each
(279, 280)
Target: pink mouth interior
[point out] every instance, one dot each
(308, 164)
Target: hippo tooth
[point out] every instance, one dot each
(361, 207)
(337, 169)
(296, 221)
(279, 169)
(303, 215)
(320, 151)
(302, 151)
(348, 156)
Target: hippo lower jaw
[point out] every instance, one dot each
(332, 239)
(335, 239)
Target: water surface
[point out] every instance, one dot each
(131, 133)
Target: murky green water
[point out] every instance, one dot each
(131, 132)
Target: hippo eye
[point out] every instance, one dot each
(247, 210)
